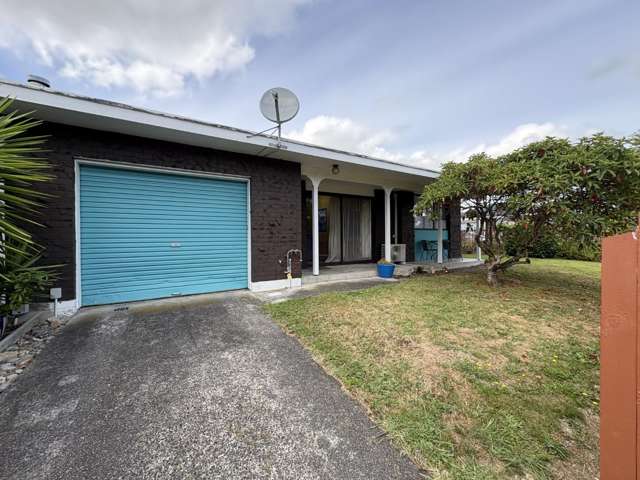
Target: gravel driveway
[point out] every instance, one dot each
(209, 389)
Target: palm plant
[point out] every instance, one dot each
(21, 277)
(19, 169)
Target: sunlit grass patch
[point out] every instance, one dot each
(471, 381)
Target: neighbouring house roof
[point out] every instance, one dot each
(67, 108)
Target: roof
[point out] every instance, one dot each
(72, 109)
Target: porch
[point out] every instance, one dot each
(341, 273)
(355, 215)
(348, 225)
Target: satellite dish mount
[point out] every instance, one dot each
(278, 105)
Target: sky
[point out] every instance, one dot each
(418, 82)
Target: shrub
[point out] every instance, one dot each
(552, 246)
(21, 278)
(571, 250)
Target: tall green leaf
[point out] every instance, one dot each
(20, 168)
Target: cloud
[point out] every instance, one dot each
(519, 137)
(153, 47)
(346, 134)
(342, 133)
(612, 65)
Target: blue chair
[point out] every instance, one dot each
(428, 250)
(423, 250)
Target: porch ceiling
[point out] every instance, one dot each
(376, 177)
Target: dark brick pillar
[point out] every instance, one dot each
(306, 252)
(378, 224)
(453, 226)
(406, 202)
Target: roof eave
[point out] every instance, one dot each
(73, 109)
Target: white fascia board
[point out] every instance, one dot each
(63, 102)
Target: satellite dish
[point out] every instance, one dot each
(279, 105)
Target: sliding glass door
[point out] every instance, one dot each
(334, 230)
(344, 227)
(356, 229)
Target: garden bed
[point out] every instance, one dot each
(18, 356)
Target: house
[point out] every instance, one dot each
(149, 205)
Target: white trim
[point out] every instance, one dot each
(274, 285)
(76, 110)
(79, 161)
(315, 224)
(248, 232)
(76, 226)
(387, 223)
(65, 307)
(101, 162)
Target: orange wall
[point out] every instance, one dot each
(619, 345)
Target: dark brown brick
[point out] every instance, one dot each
(453, 225)
(275, 194)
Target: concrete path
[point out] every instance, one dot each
(311, 290)
(181, 390)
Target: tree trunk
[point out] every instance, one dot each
(492, 273)
(492, 278)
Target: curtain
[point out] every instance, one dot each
(334, 228)
(356, 228)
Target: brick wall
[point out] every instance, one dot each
(377, 224)
(453, 225)
(275, 194)
(406, 201)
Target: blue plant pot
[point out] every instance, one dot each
(385, 270)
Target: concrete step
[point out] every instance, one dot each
(345, 272)
(339, 276)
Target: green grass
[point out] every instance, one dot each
(472, 382)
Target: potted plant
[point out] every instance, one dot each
(385, 268)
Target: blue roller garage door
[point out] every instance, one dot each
(147, 234)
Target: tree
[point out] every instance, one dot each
(583, 191)
(21, 275)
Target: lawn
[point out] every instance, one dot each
(471, 382)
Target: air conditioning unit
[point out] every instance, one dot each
(398, 252)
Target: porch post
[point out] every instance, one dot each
(387, 223)
(440, 235)
(478, 249)
(315, 182)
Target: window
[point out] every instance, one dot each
(425, 221)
